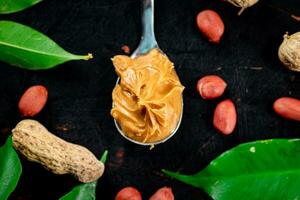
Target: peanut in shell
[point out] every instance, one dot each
(289, 51)
(37, 144)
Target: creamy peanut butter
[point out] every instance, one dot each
(148, 99)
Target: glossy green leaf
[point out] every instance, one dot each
(268, 170)
(10, 169)
(85, 191)
(11, 6)
(27, 48)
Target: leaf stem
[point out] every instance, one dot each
(175, 175)
(88, 56)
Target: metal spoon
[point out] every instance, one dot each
(147, 43)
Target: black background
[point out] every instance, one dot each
(78, 108)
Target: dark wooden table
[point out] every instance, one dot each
(79, 103)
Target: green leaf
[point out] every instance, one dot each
(10, 169)
(27, 48)
(85, 191)
(11, 6)
(268, 170)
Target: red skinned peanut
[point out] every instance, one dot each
(211, 25)
(211, 87)
(164, 193)
(225, 117)
(288, 108)
(128, 193)
(33, 100)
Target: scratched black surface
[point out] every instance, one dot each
(80, 92)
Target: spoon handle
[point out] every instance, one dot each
(148, 40)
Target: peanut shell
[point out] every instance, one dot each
(289, 51)
(243, 4)
(36, 143)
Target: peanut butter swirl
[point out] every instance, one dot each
(148, 99)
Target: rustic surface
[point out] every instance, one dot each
(80, 92)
